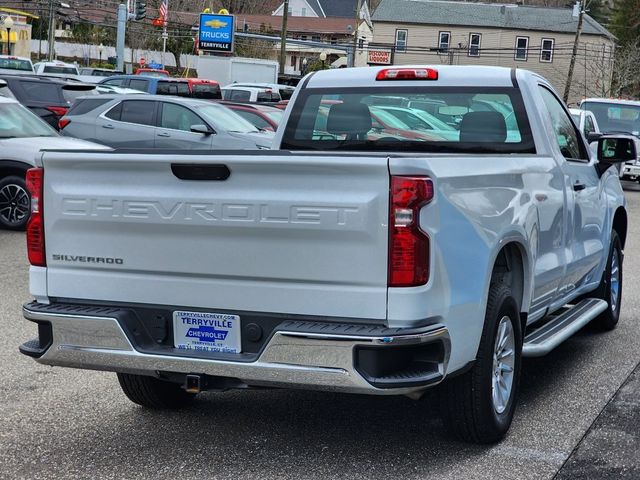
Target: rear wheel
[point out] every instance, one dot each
(153, 393)
(478, 406)
(15, 203)
(610, 289)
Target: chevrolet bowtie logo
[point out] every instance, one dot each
(215, 23)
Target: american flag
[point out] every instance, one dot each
(164, 11)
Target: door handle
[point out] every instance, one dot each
(164, 134)
(109, 126)
(191, 171)
(578, 186)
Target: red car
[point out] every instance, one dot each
(205, 89)
(264, 117)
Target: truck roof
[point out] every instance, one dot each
(635, 103)
(447, 75)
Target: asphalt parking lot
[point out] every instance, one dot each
(62, 423)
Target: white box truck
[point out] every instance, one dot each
(226, 70)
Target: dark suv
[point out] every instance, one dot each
(49, 98)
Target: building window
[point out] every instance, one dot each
(333, 41)
(546, 50)
(315, 38)
(361, 43)
(401, 40)
(293, 61)
(303, 37)
(474, 44)
(522, 48)
(304, 12)
(444, 40)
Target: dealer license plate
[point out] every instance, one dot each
(206, 331)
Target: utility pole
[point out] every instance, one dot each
(574, 53)
(122, 21)
(52, 33)
(283, 36)
(355, 34)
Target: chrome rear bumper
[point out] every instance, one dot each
(291, 359)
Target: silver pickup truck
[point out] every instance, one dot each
(416, 225)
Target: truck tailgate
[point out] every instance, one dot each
(282, 234)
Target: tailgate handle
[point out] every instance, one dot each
(189, 171)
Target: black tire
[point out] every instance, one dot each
(467, 401)
(15, 203)
(608, 320)
(154, 393)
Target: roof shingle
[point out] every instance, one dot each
(507, 16)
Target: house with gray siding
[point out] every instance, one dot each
(539, 39)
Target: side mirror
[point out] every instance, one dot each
(204, 129)
(616, 149)
(593, 136)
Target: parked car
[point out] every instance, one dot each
(102, 89)
(152, 72)
(420, 120)
(22, 134)
(149, 121)
(284, 91)
(264, 117)
(180, 87)
(49, 98)
(204, 89)
(94, 75)
(99, 72)
(10, 64)
(618, 116)
(586, 122)
(56, 69)
(341, 263)
(250, 94)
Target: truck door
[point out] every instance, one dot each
(587, 207)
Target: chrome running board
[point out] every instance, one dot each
(544, 339)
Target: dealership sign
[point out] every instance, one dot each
(216, 33)
(379, 57)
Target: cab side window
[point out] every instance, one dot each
(565, 131)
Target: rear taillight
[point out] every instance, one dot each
(408, 244)
(35, 226)
(59, 111)
(63, 122)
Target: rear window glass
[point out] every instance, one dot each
(115, 112)
(181, 89)
(116, 82)
(430, 119)
(16, 64)
(207, 91)
(615, 117)
(141, 85)
(86, 105)
(60, 70)
(42, 91)
(286, 93)
(70, 94)
(239, 95)
(268, 96)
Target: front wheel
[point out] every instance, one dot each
(15, 203)
(478, 406)
(610, 289)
